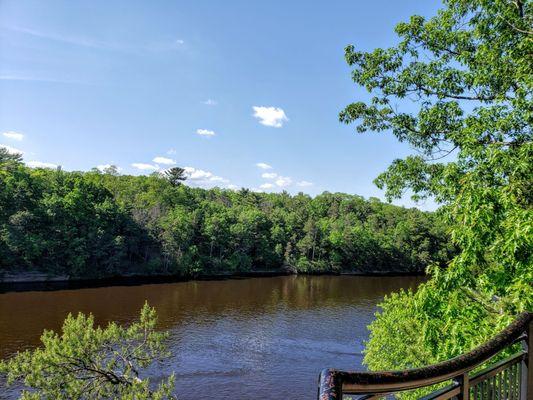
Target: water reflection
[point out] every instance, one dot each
(241, 338)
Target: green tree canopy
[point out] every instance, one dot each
(175, 175)
(88, 362)
(93, 224)
(8, 157)
(458, 88)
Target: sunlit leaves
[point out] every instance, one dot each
(458, 89)
(85, 361)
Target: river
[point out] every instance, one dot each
(264, 338)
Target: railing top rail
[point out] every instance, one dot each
(386, 381)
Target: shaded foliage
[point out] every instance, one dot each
(102, 224)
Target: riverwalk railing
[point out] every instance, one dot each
(508, 379)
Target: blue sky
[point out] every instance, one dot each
(242, 93)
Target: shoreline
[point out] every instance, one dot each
(42, 282)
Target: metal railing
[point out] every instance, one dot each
(508, 379)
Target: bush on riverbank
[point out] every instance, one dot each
(96, 224)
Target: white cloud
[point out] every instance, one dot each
(263, 165)
(40, 164)
(205, 132)
(266, 186)
(199, 177)
(145, 167)
(210, 102)
(180, 41)
(232, 187)
(11, 150)
(270, 116)
(164, 160)
(283, 181)
(218, 179)
(197, 174)
(304, 184)
(269, 175)
(13, 135)
(171, 151)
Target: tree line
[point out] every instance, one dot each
(94, 224)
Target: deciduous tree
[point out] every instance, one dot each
(458, 88)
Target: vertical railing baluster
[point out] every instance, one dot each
(464, 385)
(513, 383)
(500, 388)
(516, 382)
(510, 378)
(497, 386)
(505, 384)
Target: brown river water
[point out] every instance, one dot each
(254, 338)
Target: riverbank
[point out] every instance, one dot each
(39, 281)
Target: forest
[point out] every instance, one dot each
(101, 224)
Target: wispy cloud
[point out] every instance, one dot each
(270, 116)
(34, 78)
(269, 175)
(266, 186)
(90, 42)
(216, 178)
(171, 152)
(145, 167)
(205, 132)
(13, 135)
(40, 164)
(304, 184)
(11, 150)
(263, 165)
(164, 160)
(210, 102)
(159, 46)
(69, 39)
(283, 181)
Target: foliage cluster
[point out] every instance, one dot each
(90, 362)
(96, 224)
(458, 88)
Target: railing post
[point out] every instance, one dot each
(329, 385)
(526, 386)
(464, 386)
